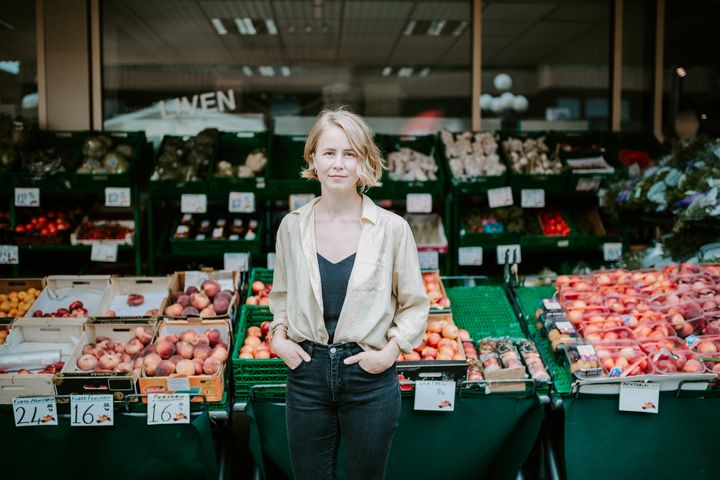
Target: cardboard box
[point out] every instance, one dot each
(33, 335)
(212, 386)
(8, 285)
(428, 231)
(154, 289)
(72, 380)
(227, 279)
(61, 290)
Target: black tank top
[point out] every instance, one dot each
(334, 279)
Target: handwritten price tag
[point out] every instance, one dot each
(193, 203)
(470, 256)
(297, 200)
(9, 255)
(532, 198)
(418, 202)
(612, 251)
(239, 262)
(91, 411)
(35, 411)
(435, 396)
(104, 252)
(27, 197)
(241, 202)
(117, 197)
(512, 252)
(639, 397)
(168, 409)
(429, 260)
(500, 197)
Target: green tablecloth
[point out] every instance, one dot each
(485, 437)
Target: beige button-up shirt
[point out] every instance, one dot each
(385, 296)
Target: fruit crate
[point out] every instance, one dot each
(173, 188)
(529, 299)
(551, 183)
(584, 145)
(66, 143)
(473, 238)
(248, 372)
(398, 189)
(285, 165)
(91, 181)
(264, 275)
(472, 185)
(484, 311)
(544, 243)
(234, 148)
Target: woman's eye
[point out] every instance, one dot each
(328, 154)
(350, 154)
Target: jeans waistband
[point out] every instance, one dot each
(349, 347)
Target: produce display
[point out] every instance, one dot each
(442, 341)
(472, 154)
(184, 355)
(92, 230)
(50, 369)
(16, 304)
(257, 343)
(106, 355)
(4, 331)
(532, 156)
(207, 301)
(45, 162)
(51, 225)
(74, 309)
(553, 223)
(100, 154)
(707, 349)
(186, 160)
(254, 165)
(473, 359)
(622, 358)
(435, 290)
(427, 229)
(500, 359)
(409, 165)
(502, 220)
(203, 228)
(261, 293)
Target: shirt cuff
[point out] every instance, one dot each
(275, 326)
(403, 344)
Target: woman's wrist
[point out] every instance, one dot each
(391, 351)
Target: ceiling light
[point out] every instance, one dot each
(219, 27)
(436, 27)
(247, 71)
(460, 28)
(285, 71)
(681, 72)
(245, 26)
(266, 71)
(386, 71)
(410, 27)
(271, 27)
(405, 72)
(424, 72)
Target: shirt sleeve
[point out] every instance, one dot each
(413, 304)
(278, 294)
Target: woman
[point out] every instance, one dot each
(347, 298)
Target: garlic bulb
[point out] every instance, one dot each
(408, 165)
(531, 156)
(254, 164)
(472, 155)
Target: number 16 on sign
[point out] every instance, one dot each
(168, 409)
(91, 411)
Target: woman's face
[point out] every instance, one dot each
(335, 160)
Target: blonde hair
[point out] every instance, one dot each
(370, 162)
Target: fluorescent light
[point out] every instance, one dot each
(405, 72)
(10, 66)
(266, 71)
(219, 27)
(245, 26)
(410, 27)
(247, 71)
(460, 28)
(271, 27)
(424, 72)
(681, 72)
(436, 27)
(285, 71)
(386, 71)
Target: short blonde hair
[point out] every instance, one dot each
(370, 161)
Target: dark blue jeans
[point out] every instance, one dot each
(326, 398)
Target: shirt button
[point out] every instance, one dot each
(333, 349)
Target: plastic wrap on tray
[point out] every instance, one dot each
(622, 358)
(561, 332)
(583, 361)
(679, 361)
(534, 362)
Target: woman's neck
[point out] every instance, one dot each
(340, 205)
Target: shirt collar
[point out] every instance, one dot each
(369, 209)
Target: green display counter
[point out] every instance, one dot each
(487, 436)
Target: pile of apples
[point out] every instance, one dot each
(17, 304)
(75, 309)
(50, 224)
(207, 301)
(257, 343)
(261, 293)
(431, 280)
(439, 343)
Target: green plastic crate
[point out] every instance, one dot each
(544, 243)
(473, 185)
(264, 275)
(173, 188)
(65, 142)
(234, 148)
(88, 181)
(583, 182)
(552, 184)
(285, 165)
(484, 311)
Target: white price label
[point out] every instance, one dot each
(588, 184)
(91, 411)
(35, 411)
(117, 197)
(429, 260)
(297, 200)
(9, 255)
(259, 182)
(168, 409)
(612, 251)
(271, 260)
(532, 198)
(239, 262)
(639, 397)
(27, 197)
(418, 202)
(104, 252)
(500, 197)
(435, 396)
(563, 243)
(470, 256)
(512, 252)
(241, 202)
(193, 203)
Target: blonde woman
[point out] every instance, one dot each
(347, 298)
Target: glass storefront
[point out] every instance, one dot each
(18, 59)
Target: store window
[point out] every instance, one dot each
(180, 66)
(638, 65)
(18, 60)
(545, 64)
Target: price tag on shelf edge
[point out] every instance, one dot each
(435, 396)
(612, 251)
(91, 411)
(297, 200)
(532, 198)
(104, 252)
(27, 197)
(193, 203)
(429, 260)
(418, 202)
(168, 409)
(514, 254)
(117, 197)
(470, 256)
(35, 411)
(500, 197)
(239, 262)
(9, 255)
(589, 184)
(641, 397)
(241, 202)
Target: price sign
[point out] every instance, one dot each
(168, 409)
(27, 197)
(435, 396)
(512, 252)
(271, 260)
(35, 411)
(588, 184)
(500, 197)
(639, 397)
(103, 252)
(241, 202)
(297, 200)
(470, 256)
(429, 260)
(418, 202)
(91, 411)
(9, 255)
(117, 197)
(193, 203)
(239, 262)
(532, 198)
(563, 243)
(612, 251)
